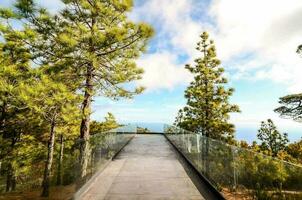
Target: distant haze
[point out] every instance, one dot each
(248, 134)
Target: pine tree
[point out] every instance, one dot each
(95, 42)
(291, 107)
(100, 127)
(272, 140)
(14, 68)
(208, 108)
(52, 102)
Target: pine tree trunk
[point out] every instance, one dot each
(48, 164)
(10, 179)
(206, 128)
(206, 153)
(14, 180)
(60, 163)
(3, 115)
(84, 131)
(207, 169)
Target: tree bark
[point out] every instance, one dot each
(85, 124)
(2, 118)
(60, 163)
(14, 180)
(206, 131)
(48, 164)
(86, 108)
(10, 179)
(207, 159)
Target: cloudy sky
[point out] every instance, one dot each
(256, 41)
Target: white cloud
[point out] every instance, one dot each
(270, 29)
(127, 111)
(162, 71)
(176, 35)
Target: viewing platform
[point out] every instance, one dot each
(170, 163)
(147, 168)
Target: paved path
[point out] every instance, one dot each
(147, 168)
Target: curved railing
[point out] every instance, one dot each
(65, 174)
(236, 172)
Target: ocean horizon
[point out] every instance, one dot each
(246, 133)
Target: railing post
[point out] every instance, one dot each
(197, 142)
(189, 144)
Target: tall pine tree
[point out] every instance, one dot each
(94, 42)
(51, 102)
(15, 68)
(208, 108)
(291, 107)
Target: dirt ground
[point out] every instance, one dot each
(56, 193)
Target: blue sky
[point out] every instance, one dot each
(255, 39)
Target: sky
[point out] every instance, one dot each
(256, 41)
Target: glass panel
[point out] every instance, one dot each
(64, 180)
(263, 177)
(236, 172)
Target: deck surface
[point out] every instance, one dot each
(147, 168)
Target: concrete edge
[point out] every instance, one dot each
(208, 184)
(114, 156)
(87, 185)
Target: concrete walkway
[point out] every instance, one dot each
(147, 168)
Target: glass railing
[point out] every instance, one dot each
(26, 178)
(236, 172)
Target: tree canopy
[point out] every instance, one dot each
(101, 127)
(291, 107)
(208, 108)
(94, 43)
(272, 140)
(52, 67)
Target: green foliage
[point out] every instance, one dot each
(239, 172)
(51, 64)
(6, 13)
(49, 100)
(20, 147)
(291, 107)
(208, 108)
(91, 44)
(272, 140)
(295, 150)
(95, 44)
(142, 130)
(100, 127)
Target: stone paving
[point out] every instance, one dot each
(147, 168)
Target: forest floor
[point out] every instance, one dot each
(56, 193)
